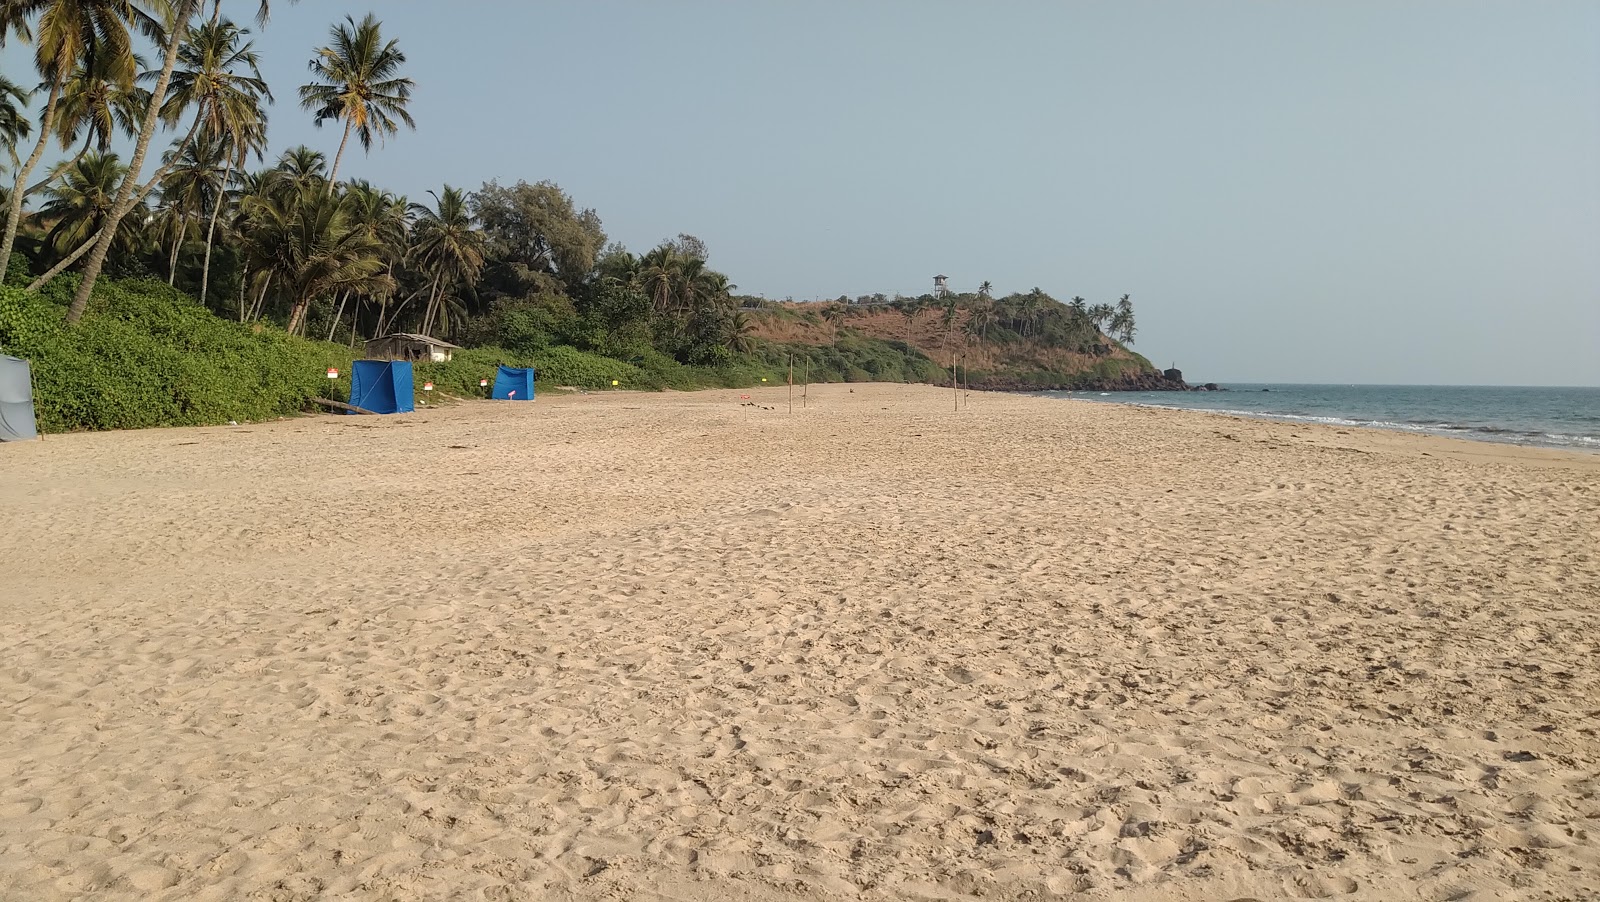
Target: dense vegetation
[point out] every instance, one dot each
(220, 258)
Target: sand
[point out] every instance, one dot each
(664, 647)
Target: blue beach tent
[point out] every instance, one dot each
(513, 383)
(382, 386)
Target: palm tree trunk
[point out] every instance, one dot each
(355, 314)
(334, 172)
(244, 280)
(147, 131)
(298, 315)
(344, 297)
(144, 192)
(427, 316)
(261, 299)
(62, 165)
(65, 262)
(177, 242)
(211, 230)
(14, 215)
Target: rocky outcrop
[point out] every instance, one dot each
(1146, 380)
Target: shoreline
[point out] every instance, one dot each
(609, 645)
(1464, 433)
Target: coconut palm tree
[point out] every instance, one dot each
(96, 103)
(1122, 324)
(657, 276)
(14, 122)
(81, 204)
(359, 84)
(446, 248)
(181, 12)
(177, 13)
(1100, 315)
(301, 166)
(219, 73)
(741, 333)
(307, 247)
(387, 218)
(62, 33)
(194, 184)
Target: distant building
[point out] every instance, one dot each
(409, 346)
(940, 289)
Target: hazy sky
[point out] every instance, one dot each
(1316, 192)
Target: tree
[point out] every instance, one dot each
(359, 85)
(537, 237)
(985, 290)
(446, 248)
(82, 203)
(305, 244)
(97, 103)
(689, 247)
(387, 218)
(193, 185)
(741, 338)
(62, 36)
(1122, 324)
(657, 277)
(1100, 315)
(14, 122)
(182, 12)
(219, 73)
(302, 167)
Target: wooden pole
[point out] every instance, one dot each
(955, 392)
(791, 383)
(340, 405)
(805, 392)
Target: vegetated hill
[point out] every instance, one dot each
(1019, 343)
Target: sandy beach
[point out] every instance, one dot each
(665, 647)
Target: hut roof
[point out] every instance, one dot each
(425, 339)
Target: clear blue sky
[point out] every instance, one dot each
(1338, 191)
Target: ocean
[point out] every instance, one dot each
(1551, 417)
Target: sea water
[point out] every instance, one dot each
(1553, 417)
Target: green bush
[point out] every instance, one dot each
(148, 355)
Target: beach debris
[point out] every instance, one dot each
(340, 405)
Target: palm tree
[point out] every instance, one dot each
(218, 72)
(193, 184)
(741, 337)
(359, 85)
(308, 248)
(83, 201)
(97, 103)
(985, 290)
(1122, 324)
(303, 167)
(1100, 315)
(14, 122)
(447, 248)
(909, 310)
(387, 218)
(62, 36)
(181, 12)
(657, 276)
